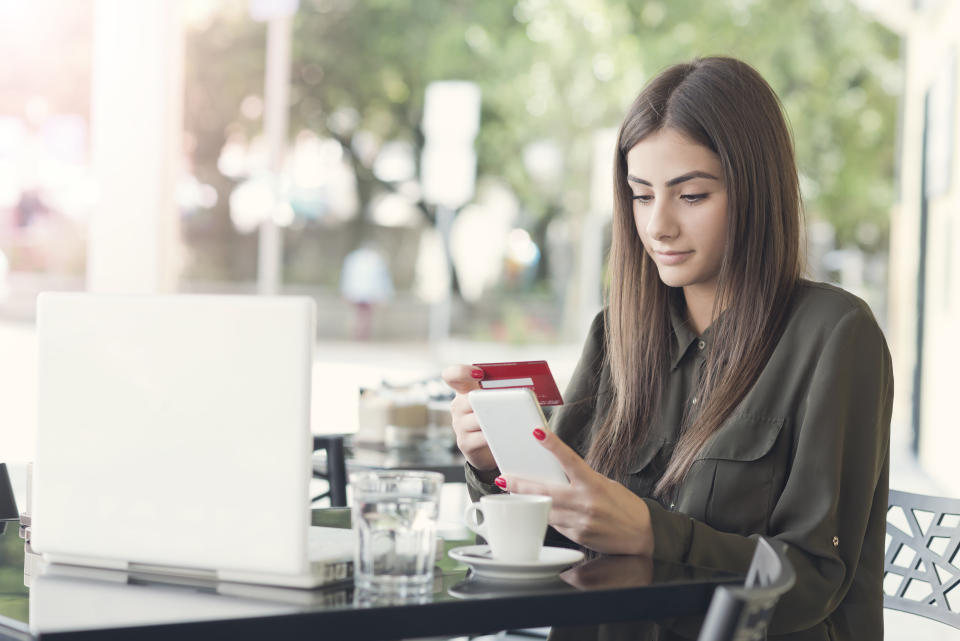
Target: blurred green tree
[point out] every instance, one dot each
(558, 70)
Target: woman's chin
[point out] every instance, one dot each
(672, 277)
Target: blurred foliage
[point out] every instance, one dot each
(559, 70)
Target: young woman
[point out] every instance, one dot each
(720, 396)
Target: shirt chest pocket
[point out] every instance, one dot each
(743, 460)
(642, 472)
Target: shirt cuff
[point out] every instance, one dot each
(672, 532)
(480, 483)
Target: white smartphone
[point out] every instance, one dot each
(507, 418)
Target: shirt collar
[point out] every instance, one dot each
(684, 334)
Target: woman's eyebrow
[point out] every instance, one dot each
(690, 175)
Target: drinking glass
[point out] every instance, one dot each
(395, 515)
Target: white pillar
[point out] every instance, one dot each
(136, 132)
(275, 118)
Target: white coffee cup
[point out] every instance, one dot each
(513, 524)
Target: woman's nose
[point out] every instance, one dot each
(662, 224)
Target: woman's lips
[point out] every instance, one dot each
(672, 257)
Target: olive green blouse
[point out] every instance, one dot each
(803, 460)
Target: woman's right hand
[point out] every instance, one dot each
(470, 440)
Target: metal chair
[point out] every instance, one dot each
(8, 504)
(742, 613)
(921, 567)
(334, 470)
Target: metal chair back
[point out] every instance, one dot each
(333, 470)
(8, 504)
(921, 567)
(743, 613)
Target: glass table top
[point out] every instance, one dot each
(36, 598)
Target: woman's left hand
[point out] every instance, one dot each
(593, 510)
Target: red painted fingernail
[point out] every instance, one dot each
(500, 482)
(476, 373)
(539, 434)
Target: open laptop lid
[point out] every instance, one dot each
(174, 431)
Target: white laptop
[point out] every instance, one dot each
(174, 437)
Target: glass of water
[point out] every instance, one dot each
(395, 515)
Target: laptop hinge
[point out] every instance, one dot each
(170, 571)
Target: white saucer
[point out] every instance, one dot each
(551, 561)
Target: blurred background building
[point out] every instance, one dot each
(924, 304)
(222, 146)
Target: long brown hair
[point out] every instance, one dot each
(726, 106)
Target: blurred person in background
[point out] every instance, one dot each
(719, 396)
(365, 281)
(28, 208)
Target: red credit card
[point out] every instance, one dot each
(534, 375)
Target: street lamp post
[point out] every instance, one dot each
(448, 168)
(591, 236)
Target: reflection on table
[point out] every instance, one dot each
(130, 605)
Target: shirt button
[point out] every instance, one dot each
(701, 345)
(694, 401)
(836, 541)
